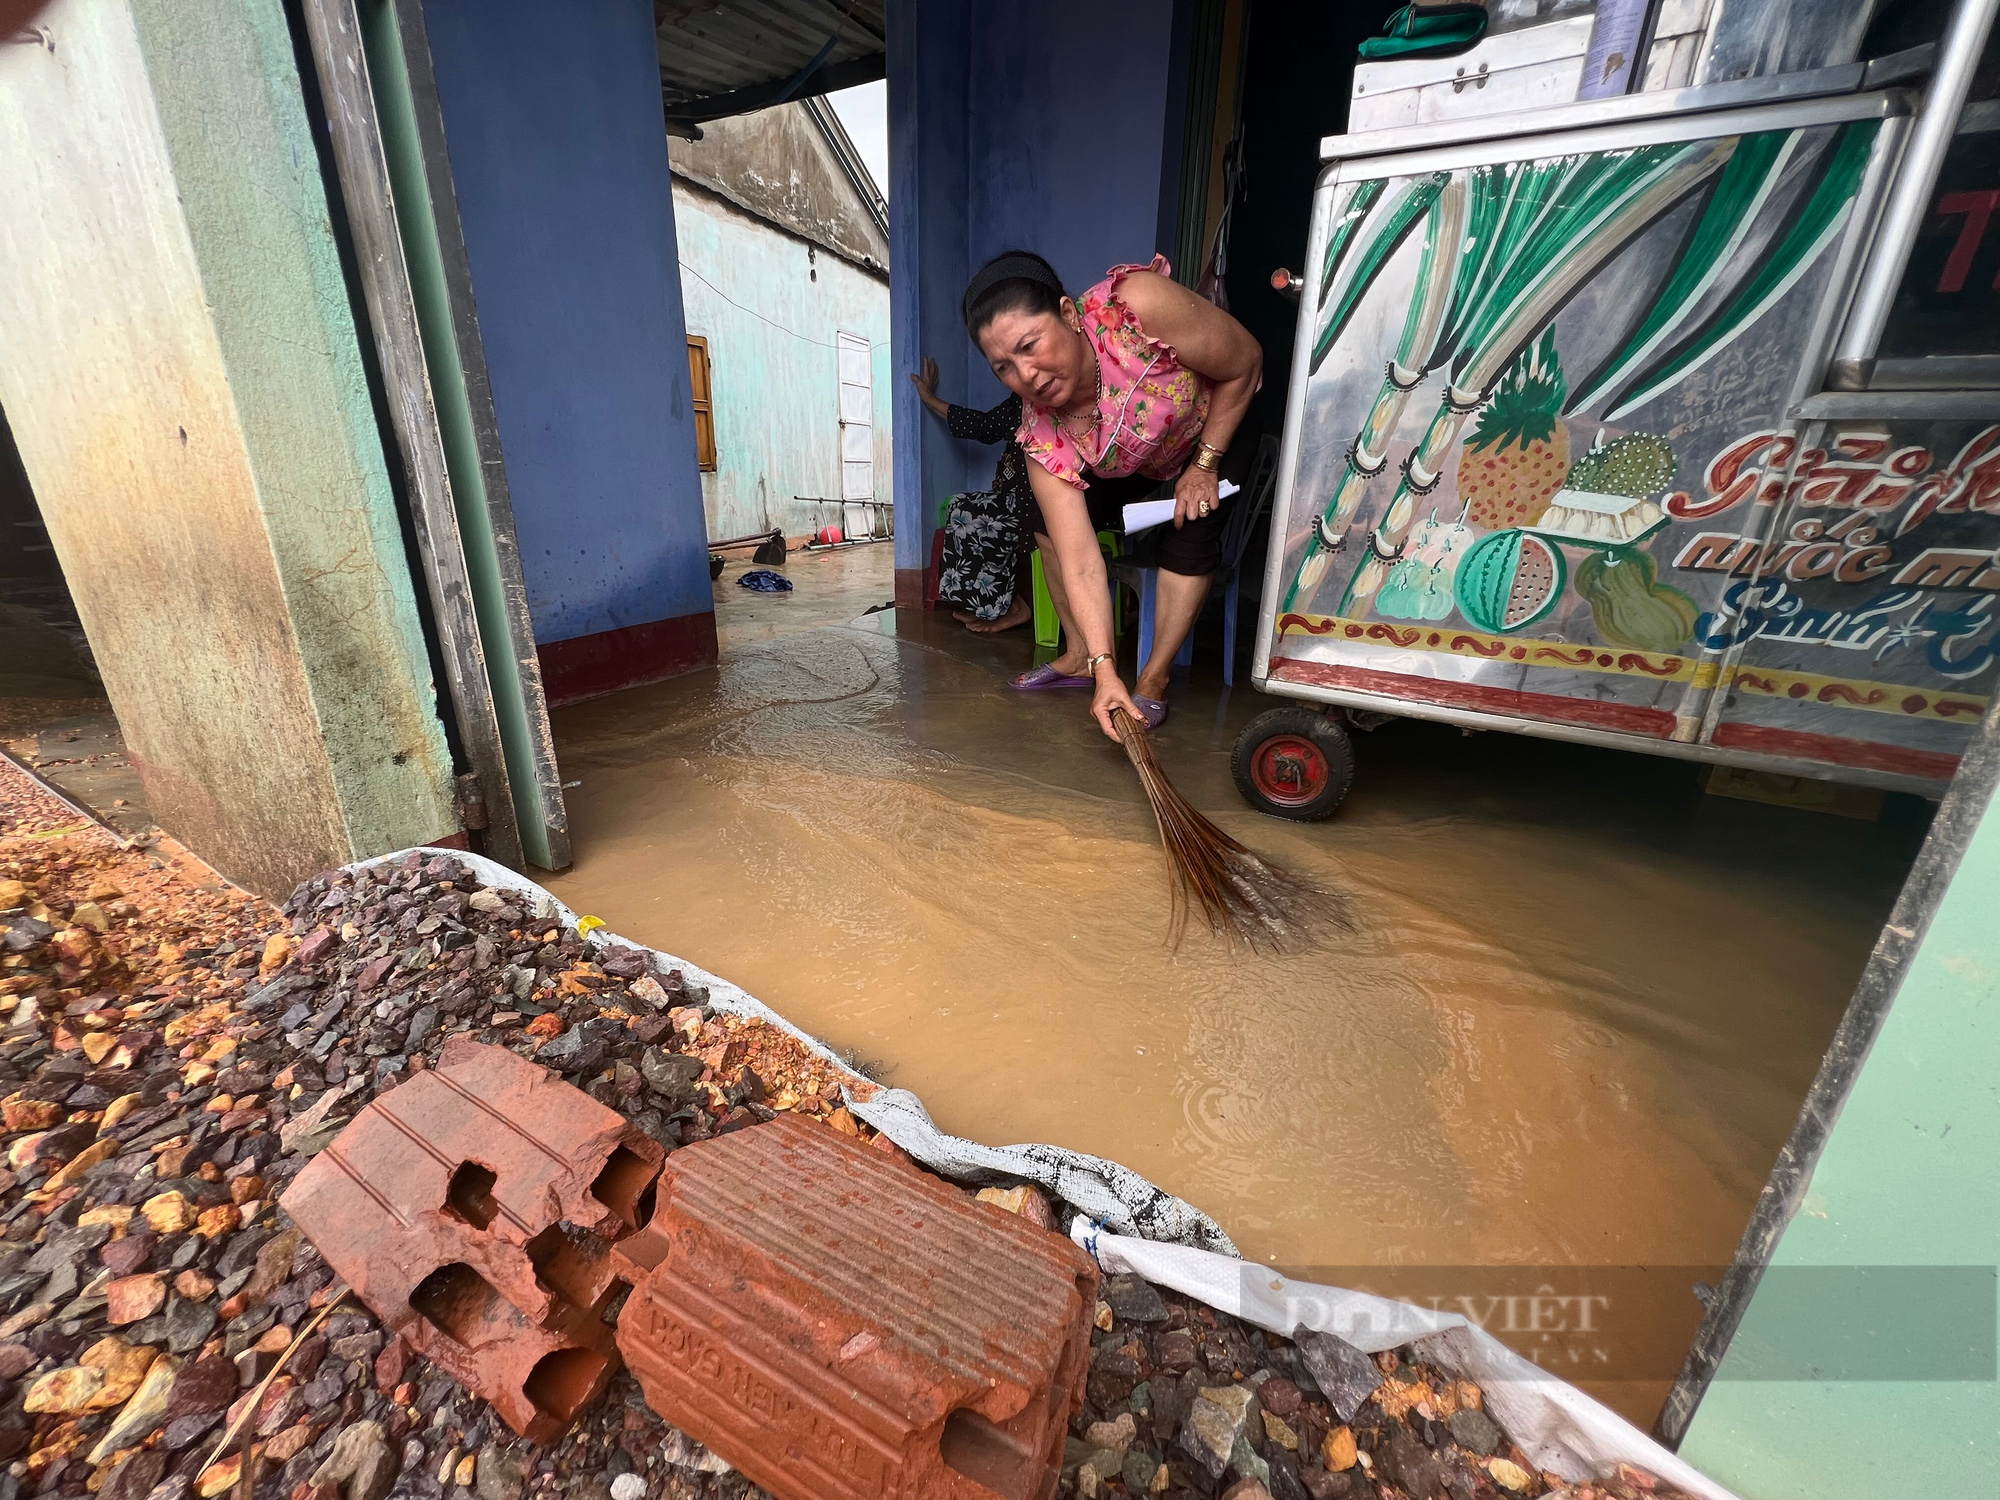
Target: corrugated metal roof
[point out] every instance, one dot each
(714, 48)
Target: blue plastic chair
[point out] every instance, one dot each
(1236, 532)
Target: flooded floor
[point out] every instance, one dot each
(1574, 1025)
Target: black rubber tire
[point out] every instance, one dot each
(1321, 788)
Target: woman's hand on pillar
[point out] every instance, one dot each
(925, 380)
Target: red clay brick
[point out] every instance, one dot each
(473, 1208)
(842, 1326)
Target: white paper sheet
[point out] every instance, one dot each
(1142, 515)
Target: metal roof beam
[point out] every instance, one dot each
(827, 79)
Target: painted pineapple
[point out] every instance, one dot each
(1519, 452)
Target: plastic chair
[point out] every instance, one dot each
(1258, 489)
(1048, 625)
(1254, 500)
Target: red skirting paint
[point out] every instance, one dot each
(589, 666)
(1863, 755)
(914, 589)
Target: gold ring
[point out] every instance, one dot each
(1204, 507)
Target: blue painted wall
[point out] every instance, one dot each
(1011, 126)
(560, 160)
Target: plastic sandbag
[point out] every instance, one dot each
(1109, 1193)
(1558, 1426)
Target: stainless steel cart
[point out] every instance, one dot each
(1636, 422)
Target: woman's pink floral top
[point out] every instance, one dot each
(1150, 415)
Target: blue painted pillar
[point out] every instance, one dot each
(1003, 134)
(929, 59)
(559, 157)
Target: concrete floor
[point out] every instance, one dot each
(1571, 1031)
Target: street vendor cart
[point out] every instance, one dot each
(1667, 421)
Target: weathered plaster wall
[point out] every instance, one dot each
(776, 163)
(559, 154)
(197, 436)
(750, 289)
(257, 211)
(1003, 137)
(1870, 1284)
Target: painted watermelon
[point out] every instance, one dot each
(1509, 580)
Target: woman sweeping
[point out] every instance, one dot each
(1136, 382)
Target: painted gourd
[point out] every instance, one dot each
(1629, 603)
(1509, 580)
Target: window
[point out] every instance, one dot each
(704, 405)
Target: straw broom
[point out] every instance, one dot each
(1242, 896)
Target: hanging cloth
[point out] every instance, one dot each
(1426, 31)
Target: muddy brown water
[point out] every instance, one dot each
(1572, 1028)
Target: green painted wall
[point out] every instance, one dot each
(1908, 1188)
(226, 81)
(180, 366)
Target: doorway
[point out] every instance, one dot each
(54, 715)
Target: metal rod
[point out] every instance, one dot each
(1909, 199)
(1620, 109)
(753, 540)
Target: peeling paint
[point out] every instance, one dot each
(770, 306)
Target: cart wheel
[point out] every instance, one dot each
(1293, 763)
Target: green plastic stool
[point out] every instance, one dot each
(1048, 625)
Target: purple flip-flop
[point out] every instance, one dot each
(1152, 710)
(1046, 676)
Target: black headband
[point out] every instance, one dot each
(1007, 268)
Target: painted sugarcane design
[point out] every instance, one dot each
(1586, 209)
(1346, 221)
(1814, 225)
(1504, 203)
(1443, 207)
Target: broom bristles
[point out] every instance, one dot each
(1242, 896)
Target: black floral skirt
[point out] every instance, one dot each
(984, 542)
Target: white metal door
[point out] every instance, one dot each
(857, 419)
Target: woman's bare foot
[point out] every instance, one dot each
(1019, 613)
(965, 617)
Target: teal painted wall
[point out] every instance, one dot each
(1908, 1179)
(257, 210)
(770, 306)
(180, 367)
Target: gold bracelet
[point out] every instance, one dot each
(1091, 665)
(1208, 458)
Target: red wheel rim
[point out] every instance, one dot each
(1289, 770)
